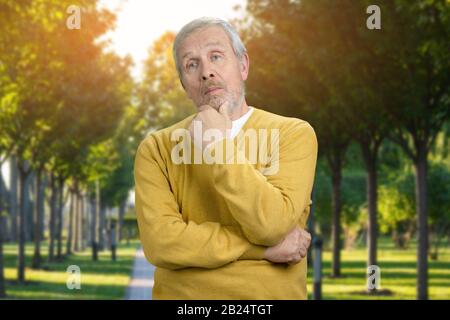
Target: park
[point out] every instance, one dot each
(73, 112)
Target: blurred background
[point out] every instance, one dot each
(83, 82)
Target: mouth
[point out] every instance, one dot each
(212, 90)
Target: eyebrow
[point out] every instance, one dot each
(209, 44)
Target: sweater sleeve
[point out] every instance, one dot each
(268, 207)
(170, 242)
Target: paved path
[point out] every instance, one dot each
(141, 283)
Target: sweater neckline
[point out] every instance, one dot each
(250, 119)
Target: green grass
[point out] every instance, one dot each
(105, 279)
(398, 274)
(102, 279)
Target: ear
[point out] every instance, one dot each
(181, 81)
(187, 93)
(244, 65)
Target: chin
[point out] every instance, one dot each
(216, 102)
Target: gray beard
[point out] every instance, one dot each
(235, 100)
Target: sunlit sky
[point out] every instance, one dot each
(140, 22)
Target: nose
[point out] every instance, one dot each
(206, 76)
(207, 72)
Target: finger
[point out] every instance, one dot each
(204, 107)
(305, 243)
(306, 240)
(295, 259)
(302, 252)
(305, 234)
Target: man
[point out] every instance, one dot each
(228, 229)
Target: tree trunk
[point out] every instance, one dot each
(102, 225)
(80, 221)
(60, 217)
(369, 148)
(70, 225)
(52, 222)
(420, 167)
(29, 205)
(94, 228)
(336, 207)
(76, 233)
(23, 174)
(88, 220)
(13, 181)
(372, 206)
(2, 276)
(83, 222)
(2, 229)
(121, 217)
(39, 220)
(44, 178)
(4, 207)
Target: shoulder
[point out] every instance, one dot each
(159, 141)
(288, 126)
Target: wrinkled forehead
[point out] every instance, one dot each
(203, 38)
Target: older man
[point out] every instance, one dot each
(230, 228)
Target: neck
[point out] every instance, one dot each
(240, 111)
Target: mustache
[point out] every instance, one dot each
(212, 84)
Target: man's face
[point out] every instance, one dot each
(211, 72)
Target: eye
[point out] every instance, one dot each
(192, 65)
(215, 57)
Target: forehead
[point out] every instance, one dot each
(203, 38)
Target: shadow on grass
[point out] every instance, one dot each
(49, 281)
(387, 265)
(49, 290)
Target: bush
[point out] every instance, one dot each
(397, 206)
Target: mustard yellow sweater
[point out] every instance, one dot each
(205, 226)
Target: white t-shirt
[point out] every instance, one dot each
(236, 126)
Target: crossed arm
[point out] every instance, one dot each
(169, 241)
(172, 243)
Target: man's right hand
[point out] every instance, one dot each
(291, 249)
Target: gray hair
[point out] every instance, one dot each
(236, 42)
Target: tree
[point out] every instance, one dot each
(162, 100)
(2, 232)
(397, 205)
(397, 76)
(102, 160)
(439, 194)
(272, 86)
(57, 75)
(420, 50)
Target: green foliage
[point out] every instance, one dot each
(396, 203)
(353, 201)
(163, 101)
(439, 209)
(439, 194)
(62, 96)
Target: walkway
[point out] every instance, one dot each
(141, 283)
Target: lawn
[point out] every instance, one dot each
(398, 274)
(103, 279)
